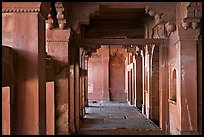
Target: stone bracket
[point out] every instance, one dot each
(58, 35)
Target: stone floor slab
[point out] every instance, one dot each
(109, 115)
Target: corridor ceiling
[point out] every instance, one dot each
(116, 23)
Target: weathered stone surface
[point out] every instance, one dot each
(50, 108)
(6, 112)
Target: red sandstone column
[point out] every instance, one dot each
(199, 50)
(155, 84)
(81, 100)
(105, 73)
(5, 110)
(146, 84)
(71, 100)
(7, 86)
(23, 29)
(77, 91)
(82, 87)
(126, 76)
(163, 87)
(74, 86)
(86, 82)
(57, 48)
(50, 108)
(188, 44)
(143, 83)
(138, 82)
(134, 63)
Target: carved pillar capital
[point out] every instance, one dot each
(148, 49)
(165, 23)
(132, 49)
(142, 52)
(27, 7)
(138, 51)
(57, 35)
(192, 14)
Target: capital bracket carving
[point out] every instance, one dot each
(161, 18)
(193, 14)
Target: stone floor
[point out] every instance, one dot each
(116, 118)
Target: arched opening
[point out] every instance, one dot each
(155, 86)
(117, 77)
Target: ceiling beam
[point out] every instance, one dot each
(129, 41)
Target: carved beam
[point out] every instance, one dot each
(26, 7)
(119, 42)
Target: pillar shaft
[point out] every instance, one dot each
(57, 48)
(26, 35)
(138, 76)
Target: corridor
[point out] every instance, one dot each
(102, 68)
(115, 118)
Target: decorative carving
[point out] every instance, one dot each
(49, 22)
(186, 24)
(138, 51)
(60, 16)
(160, 18)
(89, 51)
(193, 15)
(117, 58)
(159, 31)
(152, 12)
(132, 49)
(148, 49)
(195, 24)
(20, 10)
(170, 27)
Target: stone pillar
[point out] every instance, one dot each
(163, 87)
(71, 99)
(126, 76)
(155, 84)
(6, 110)
(199, 50)
(74, 103)
(143, 83)
(188, 51)
(77, 91)
(83, 86)
(23, 29)
(50, 108)
(133, 84)
(81, 83)
(105, 73)
(57, 47)
(7, 86)
(138, 75)
(147, 80)
(86, 82)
